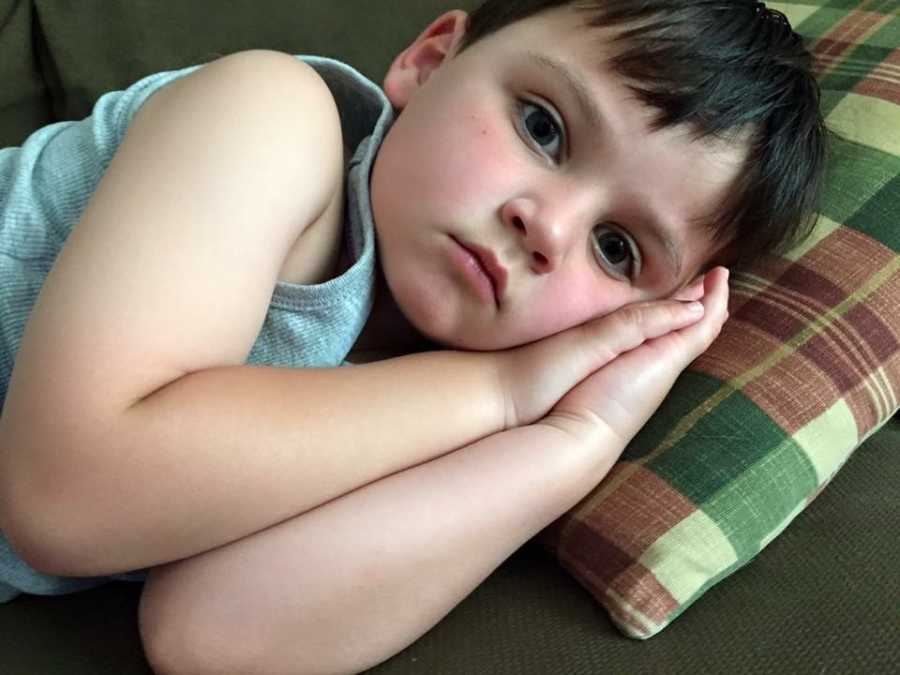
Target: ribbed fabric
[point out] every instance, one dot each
(46, 183)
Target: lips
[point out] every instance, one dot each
(491, 267)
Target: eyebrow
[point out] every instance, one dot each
(589, 109)
(575, 83)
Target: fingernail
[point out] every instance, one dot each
(695, 307)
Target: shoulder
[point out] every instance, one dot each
(257, 79)
(264, 70)
(262, 81)
(268, 107)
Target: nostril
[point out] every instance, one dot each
(518, 224)
(539, 258)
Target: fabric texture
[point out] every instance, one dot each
(90, 47)
(24, 96)
(45, 185)
(807, 367)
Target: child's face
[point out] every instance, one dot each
(495, 148)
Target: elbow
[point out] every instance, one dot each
(51, 542)
(30, 544)
(44, 524)
(41, 540)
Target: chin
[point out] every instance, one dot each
(439, 327)
(455, 337)
(441, 321)
(456, 342)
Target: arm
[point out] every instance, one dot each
(384, 563)
(378, 567)
(140, 437)
(225, 452)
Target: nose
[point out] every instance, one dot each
(547, 233)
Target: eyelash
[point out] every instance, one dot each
(634, 258)
(523, 105)
(558, 125)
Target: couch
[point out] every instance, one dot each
(823, 597)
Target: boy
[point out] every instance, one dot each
(528, 210)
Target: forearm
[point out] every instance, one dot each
(225, 452)
(385, 562)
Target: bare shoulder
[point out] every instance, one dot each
(276, 101)
(263, 70)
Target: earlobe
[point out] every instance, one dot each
(414, 65)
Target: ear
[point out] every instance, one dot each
(414, 65)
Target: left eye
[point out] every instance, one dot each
(616, 251)
(543, 129)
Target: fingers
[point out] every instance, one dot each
(631, 326)
(700, 336)
(715, 284)
(715, 300)
(693, 291)
(674, 326)
(536, 375)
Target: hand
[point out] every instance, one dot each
(536, 376)
(620, 397)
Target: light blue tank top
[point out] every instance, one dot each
(45, 185)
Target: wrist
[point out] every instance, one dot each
(585, 428)
(511, 377)
(592, 445)
(578, 427)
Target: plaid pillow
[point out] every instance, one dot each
(807, 367)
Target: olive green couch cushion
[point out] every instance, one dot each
(94, 46)
(24, 95)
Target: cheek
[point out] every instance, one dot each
(572, 300)
(470, 162)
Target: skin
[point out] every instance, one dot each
(518, 169)
(363, 564)
(349, 583)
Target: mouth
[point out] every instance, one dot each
(491, 267)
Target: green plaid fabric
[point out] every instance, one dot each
(807, 367)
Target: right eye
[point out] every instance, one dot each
(616, 252)
(542, 128)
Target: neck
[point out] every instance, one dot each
(387, 330)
